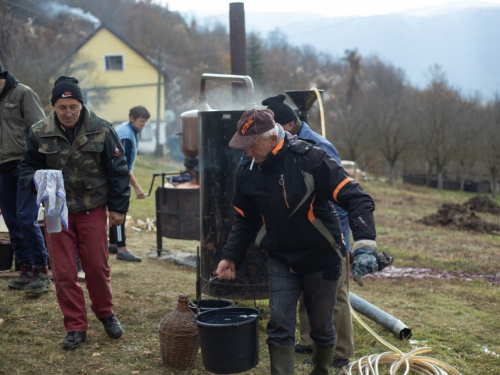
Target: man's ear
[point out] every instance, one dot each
(131, 118)
(274, 140)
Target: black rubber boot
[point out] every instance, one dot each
(322, 359)
(112, 326)
(40, 281)
(24, 277)
(282, 360)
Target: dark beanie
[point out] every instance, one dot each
(66, 87)
(283, 113)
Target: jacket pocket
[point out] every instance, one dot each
(93, 147)
(49, 147)
(12, 110)
(92, 182)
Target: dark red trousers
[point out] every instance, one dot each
(87, 233)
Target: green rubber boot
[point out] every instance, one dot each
(282, 360)
(322, 359)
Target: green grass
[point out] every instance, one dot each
(457, 319)
(144, 168)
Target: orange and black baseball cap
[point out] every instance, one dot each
(251, 125)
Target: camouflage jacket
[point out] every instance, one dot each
(94, 167)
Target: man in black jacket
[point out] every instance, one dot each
(87, 150)
(283, 185)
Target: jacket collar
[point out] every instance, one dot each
(50, 127)
(275, 155)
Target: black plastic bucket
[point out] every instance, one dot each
(209, 304)
(6, 254)
(229, 339)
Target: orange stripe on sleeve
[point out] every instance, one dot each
(278, 146)
(240, 211)
(340, 186)
(310, 214)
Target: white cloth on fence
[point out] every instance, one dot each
(50, 185)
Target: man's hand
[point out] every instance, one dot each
(139, 194)
(226, 270)
(366, 260)
(115, 219)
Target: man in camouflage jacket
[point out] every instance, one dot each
(87, 150)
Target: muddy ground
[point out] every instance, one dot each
(395, 273)
(465, 217)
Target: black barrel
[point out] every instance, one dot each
(217, 165)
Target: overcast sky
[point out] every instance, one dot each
(332, 8)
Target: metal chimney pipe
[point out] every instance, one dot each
(238, 46)
(237, 39)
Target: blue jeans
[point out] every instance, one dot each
(319, 297)
(19, 210)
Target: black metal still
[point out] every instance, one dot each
(303, 99)
(217, 165)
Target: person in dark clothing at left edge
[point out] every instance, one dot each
(87, 150)
(20, 108)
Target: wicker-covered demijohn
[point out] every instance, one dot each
(179, 336)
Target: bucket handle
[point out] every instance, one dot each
(215, 277)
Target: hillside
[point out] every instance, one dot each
(461, 39)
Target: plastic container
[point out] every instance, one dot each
(6, 254)
(229, 339)
(53, 220)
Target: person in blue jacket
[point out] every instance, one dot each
(128, 132)
(344, 347)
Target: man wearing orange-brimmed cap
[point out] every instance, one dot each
(284, 185)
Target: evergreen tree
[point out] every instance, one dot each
(255, 61)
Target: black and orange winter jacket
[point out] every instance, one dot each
(287, 195)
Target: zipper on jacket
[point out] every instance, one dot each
(282, 183)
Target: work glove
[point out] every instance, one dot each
(367, 260)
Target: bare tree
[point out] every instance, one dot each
(385, 108)
(491, 144)
(469, 128)
(441, 110)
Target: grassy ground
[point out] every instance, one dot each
(458, 319)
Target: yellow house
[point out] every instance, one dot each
(114, 77)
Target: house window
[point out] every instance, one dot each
(113, 63)
(147, 133)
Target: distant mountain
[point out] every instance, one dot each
(463, 38)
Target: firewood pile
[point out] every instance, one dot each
(139, 225)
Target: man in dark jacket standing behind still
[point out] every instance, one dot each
(284, 185)
(20, 108)
(86, 149)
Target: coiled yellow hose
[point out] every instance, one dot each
(412, 362)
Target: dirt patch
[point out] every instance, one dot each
(460, 217)
(430, 273)
(482, 203)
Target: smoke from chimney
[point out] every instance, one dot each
(53, 9)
